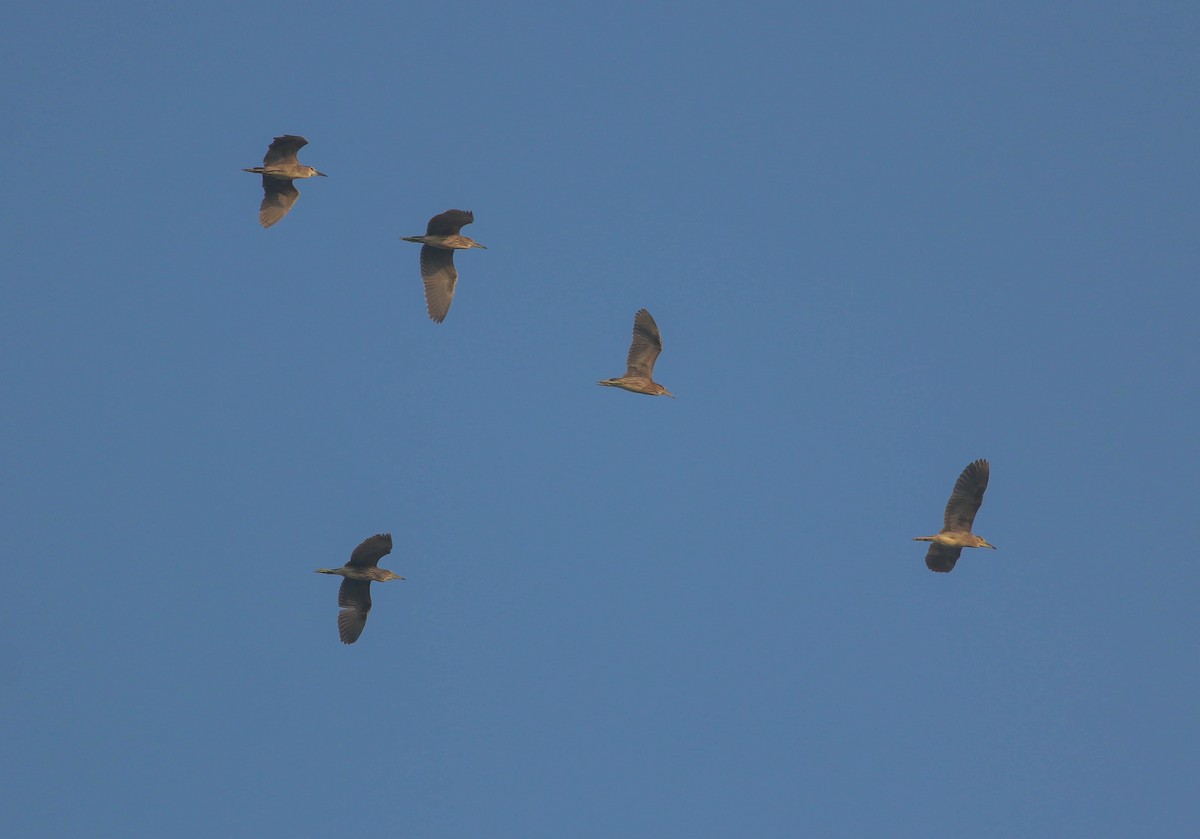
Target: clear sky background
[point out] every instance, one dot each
(881, 240)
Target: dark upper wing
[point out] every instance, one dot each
(284, 149)
(354, 597)
(942, 558)
(371, 551)
(967, 496)
(449, 222)
(440, 276)
(646, 345)
(278, 197)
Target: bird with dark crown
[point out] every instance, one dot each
(956, 533)
(441, 240)
(280, 167)
(639, 366)
(354, 597)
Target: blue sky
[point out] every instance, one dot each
(881, 241)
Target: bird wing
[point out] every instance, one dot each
(440, 277)
(278, 197)
(942, 558)
(646, 345)
(283, 149)
(354, 598)
(967, 496)
(449, 222)
(368, 554)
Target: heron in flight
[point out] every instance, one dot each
(960, 515)
(280, 167)
(643, 352)
(354, 597)
(438, 245)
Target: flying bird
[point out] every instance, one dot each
(279, 168)
(643, 351)
(960, 515)
(438, 245)
(354, 597)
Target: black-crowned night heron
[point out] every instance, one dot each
(439, 243)
(643, 351)
(354, 597)
(279, 168)
(960, 515)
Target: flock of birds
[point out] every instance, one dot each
(443, 236)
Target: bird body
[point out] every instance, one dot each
(370, 575)
(639, 366)
(635, 384)
(964, 503)
(438, 245)
(452, 242)
(354, 597)
(286, 171)
(280, 167)
(955, 539)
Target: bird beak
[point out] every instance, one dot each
(668, 393)
(993, 547)
(322, 174)
(476, 244)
